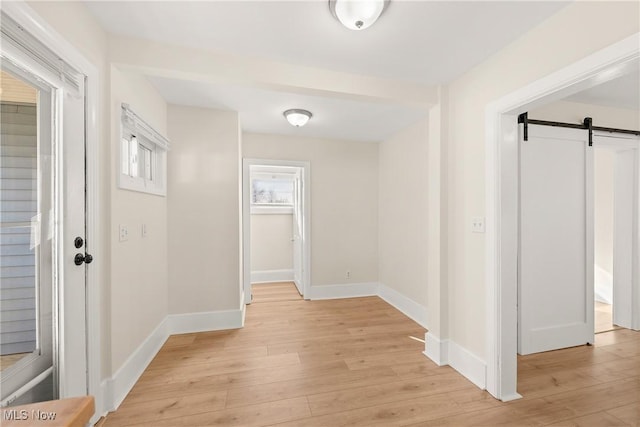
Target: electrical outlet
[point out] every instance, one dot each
(477, 224)
(124, 233)
(348, 275)
(144, 230)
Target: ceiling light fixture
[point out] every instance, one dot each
(357, 14)
(297, 117)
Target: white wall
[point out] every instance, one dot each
(271, 246)
(204, 210)
(402, 214)
(344, 202)
(574, 32)
(575, 112)
(603, 206)
(139, 286)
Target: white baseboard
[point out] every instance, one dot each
(413, 310)
(351, 290)
(103, 408)
(205, 321)
(120, 384)
(125, 378)
(510, 397)
(436, 349)
(447, 352)
(271, 276)
(468, 364)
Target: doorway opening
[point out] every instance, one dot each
(275, 230)
(502, 198)
(603, 239)
(616, 199)
(275, 292)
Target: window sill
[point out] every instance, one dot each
(271, 210)
(142, 186)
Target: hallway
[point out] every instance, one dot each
(351, 362)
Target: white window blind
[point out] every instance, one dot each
(14, 36)
(135, 125)
(142, 155)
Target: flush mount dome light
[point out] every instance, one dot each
(297, 117)
(357, 14)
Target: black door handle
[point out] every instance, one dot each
(79, 259)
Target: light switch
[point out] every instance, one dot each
(477, 224)
(124, 233)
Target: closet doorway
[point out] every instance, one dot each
(275, 229)
(616, 164)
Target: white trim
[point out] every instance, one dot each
(107, 399)
(133, 123)
(271, 210)
(271, 276)
(635, 290)
(20, 12)
(205, 321)
(501, 175)
(468, 364)
(351, 290)
(448, 352)
(243, 309)
(246, 220)
(436, 349)
(120, 384)
(128, 374)
(410, 308)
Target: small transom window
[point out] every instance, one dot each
(143, 155)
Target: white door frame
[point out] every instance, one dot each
(501, 174)
(20, 12)
(246, 221)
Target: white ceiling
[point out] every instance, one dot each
(425, 42)
(261, 110)
(623, 92)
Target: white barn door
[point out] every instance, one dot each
(556, 262)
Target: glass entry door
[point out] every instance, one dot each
(26, 238)
(43, 264)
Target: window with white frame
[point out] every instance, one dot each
(143, 159)
(272, 192)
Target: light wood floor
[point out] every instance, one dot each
(351, 362)
(603, 319)
(272, 292)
